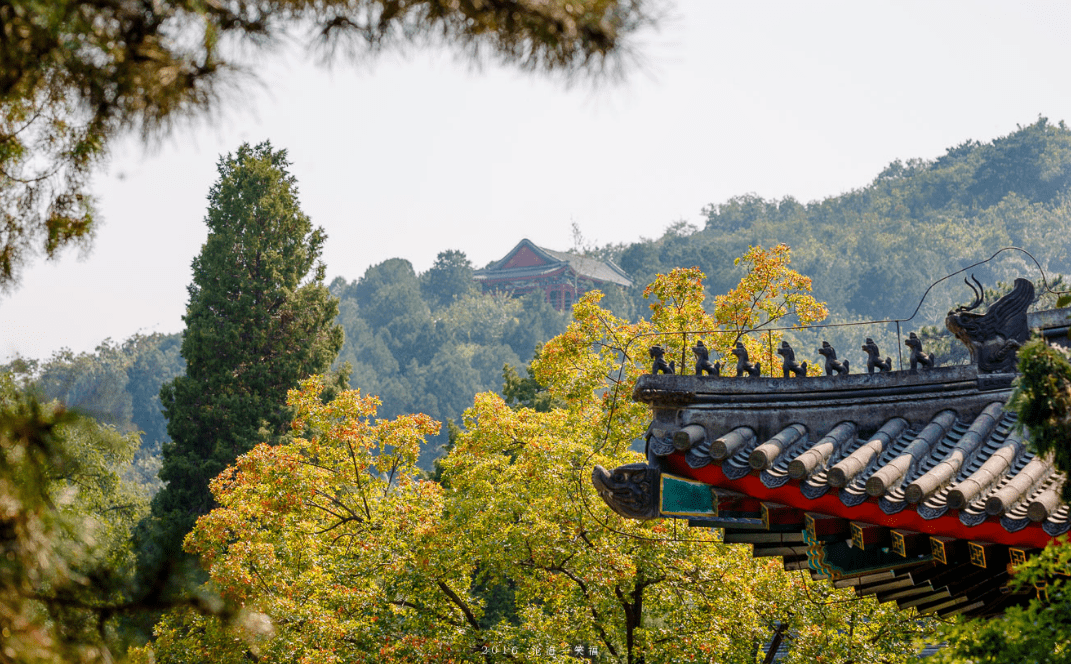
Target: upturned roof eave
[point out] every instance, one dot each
(512, 274)
(1032, 536)
(949, 402)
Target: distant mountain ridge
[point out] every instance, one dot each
(873, 251)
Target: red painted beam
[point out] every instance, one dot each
(947, 525)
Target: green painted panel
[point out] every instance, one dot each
(684, 497)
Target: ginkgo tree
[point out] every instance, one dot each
(333, 549)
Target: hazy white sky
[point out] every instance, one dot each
(411, 156)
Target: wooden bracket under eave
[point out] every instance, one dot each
(866, 535)
(988, 554)
(909, 543)
(948, 550)
(823, 528)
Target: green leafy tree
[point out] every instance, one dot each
(449, 278)
(258, 320)
(93, 384)
(527, 392)
(117, 385)
(536, 322)
(75, 76)
(389, 299)
(425, 349)
(1043, 402)
(1031, 163)
(66, 518)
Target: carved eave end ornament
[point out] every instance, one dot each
(630, 490)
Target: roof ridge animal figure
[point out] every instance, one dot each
(994, 338)
(917, 355)
(657, 353)
(874, 358)
(702, 360)
(832, 363)
(744, 364)
(790, 365)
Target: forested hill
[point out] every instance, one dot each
(428, 342)
(872, 252)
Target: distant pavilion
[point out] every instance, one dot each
(562, 277)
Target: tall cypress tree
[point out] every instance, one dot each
(258, 320)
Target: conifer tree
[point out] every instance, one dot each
(259, 319)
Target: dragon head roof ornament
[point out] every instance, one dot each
(994, 338)
(630, 490)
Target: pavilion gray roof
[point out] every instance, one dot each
(593, 268)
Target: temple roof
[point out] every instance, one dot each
(916, 486)
(528, 261)
(935, 452)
